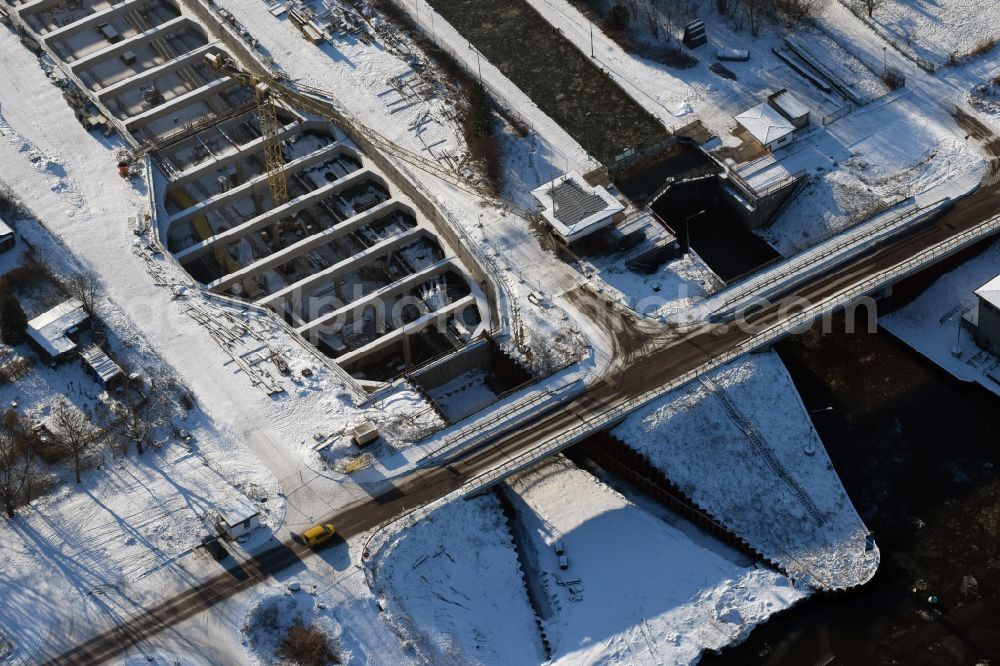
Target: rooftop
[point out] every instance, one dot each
(764, 123)
(990, 292)
(789, 104)
(5, 229)
(574, 208)
(100, 363)
(49, 330)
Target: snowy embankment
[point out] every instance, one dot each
(742, 447)
(451, 586)
(893, 149)
(931, 324)
(637, 589)
(939, 31)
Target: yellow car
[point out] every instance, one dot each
(314, 536)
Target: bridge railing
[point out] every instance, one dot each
(761, 281)
(769, 335)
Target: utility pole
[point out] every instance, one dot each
(591, 39)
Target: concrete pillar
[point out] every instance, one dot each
(135, 123)
(352, 358)
(154, 73)
(351, 310)
(247, 188)
(95, 19)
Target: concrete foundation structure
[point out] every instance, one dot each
(357, 260)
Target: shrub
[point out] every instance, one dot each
(13, 322)
(308, 646)
(618, 18)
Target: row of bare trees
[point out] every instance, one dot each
(71, 436)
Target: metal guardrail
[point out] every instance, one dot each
(765, 337)
(756, 285)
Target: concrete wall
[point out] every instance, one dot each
(988, 333)
(253, 61)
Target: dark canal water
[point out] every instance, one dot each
(916, 451)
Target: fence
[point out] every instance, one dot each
(838, 114)
(768, 336)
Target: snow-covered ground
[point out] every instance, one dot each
(937, 31)
(128, 527)
(759, 469)
(904, 144)
(931, 324)
(638, 590)
(452, 588)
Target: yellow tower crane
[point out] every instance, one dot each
(274, 159)
(323, 104)
(267, 116)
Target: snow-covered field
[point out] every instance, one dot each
(781, 493)
(862, 163)
(132, 517)
(931, 323)
(638, 590)
(935, 31)
(452, 588)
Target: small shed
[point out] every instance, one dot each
(987, 323)
(6, 236)
(239, 516)
(55, 332)
(767, 126)
(790, 107)
(101, 366)
(574, 209)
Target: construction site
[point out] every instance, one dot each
(543, 331)
(260, 198)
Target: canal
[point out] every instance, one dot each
(916, 451)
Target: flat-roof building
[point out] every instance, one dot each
(985, 324)
(790, 107)
(239, 517)
(101, 366)
(575, 209)
(6, 236)
(55, 331)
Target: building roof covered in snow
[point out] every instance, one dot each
(5, 229)
(102, 364)
(765, 124)
(51, 330)
(574, 208)
(236, 509)
(789, 105)
(990, 292)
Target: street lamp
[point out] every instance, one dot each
(821, 409)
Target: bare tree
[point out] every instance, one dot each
(85, 287)
(755, 13)
(871, 5)
(74, 431)
(15, 462)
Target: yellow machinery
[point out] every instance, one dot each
(323, 104)
(274, 160)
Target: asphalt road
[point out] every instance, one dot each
(649, 357)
